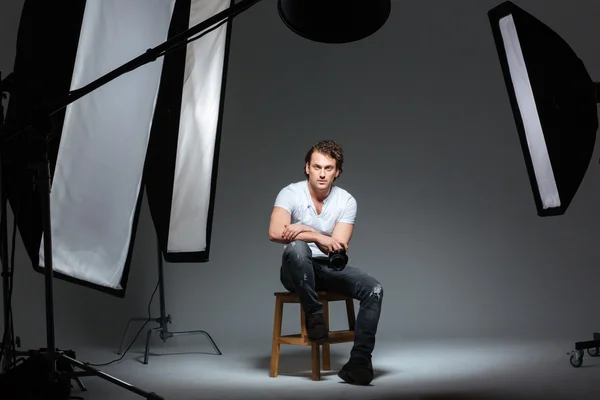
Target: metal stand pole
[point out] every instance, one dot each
(55, 356)
(60, 363)
(7, 340)
(163, 320)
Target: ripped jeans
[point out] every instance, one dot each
(302, 274)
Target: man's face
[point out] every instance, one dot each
(321, 170)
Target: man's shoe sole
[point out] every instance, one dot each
(356, 378)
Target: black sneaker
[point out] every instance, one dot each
(357, 371)
(315, 326)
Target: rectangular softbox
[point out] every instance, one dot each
(158, 124)
(184, 146)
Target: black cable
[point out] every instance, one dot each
(136, 335)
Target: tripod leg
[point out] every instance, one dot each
(89, 371)
(76, 379)
(80, 384)
(148, 335)
(187, 333)
(127, 331)
(63, 365)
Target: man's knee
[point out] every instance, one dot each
(371, 288)
(377, 291)
(296, 250)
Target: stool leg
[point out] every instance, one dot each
(276, 337)
(351, 314)
(316, 362)
(303, 331)
(326, 349)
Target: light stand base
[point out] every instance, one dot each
(164, 320)
(592, 347)
(9, 355)
(34, 377)
(89, 371)
(164, 334)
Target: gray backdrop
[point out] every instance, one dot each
(446, 216)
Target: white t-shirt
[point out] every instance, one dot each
(339, 206)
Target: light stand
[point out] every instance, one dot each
(7, 339)
(9, 342)
(4, 243)
(43, 130)
(163, 320)
(555, 106)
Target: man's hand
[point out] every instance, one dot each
(327, 244)
(290, 231)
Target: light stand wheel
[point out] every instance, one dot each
(576, 358)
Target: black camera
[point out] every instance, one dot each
(338, 260)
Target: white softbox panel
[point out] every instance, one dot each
(155, 128)
(182, 163)
(197, 133)
(97, 180)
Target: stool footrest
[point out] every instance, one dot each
(334, 337)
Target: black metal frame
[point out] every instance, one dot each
(6, 268)
(4, 243)
(163, 320)
(66, 359)
(592, 347)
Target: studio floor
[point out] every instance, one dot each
(432, 370)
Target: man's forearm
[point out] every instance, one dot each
(309, 236)
(306, 236)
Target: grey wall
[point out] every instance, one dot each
(446, 216)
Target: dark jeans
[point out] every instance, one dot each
(302, 274)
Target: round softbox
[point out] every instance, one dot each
(334, 21)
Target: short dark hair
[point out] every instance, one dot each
(329, 148)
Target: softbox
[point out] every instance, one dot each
(554, 104)
(157, 124)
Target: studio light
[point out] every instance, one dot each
(554, 103)
(334, 21)
(157, 127)
(79, 146)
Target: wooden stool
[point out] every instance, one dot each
(301, 339)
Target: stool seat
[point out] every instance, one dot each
(301, 339)
(291, 297)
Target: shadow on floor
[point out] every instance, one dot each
(297, 363)
(461, 395)
(151, 355)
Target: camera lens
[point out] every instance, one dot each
(338, 260)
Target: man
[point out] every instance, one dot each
(314, 218)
